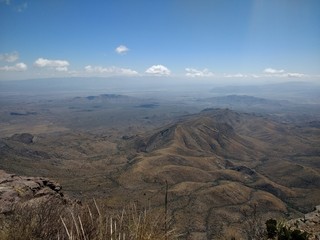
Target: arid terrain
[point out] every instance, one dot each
(160, 120)
(219, 156)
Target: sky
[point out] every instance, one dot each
(217, 40)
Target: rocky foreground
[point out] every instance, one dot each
(310, 223)
(29, 190)
(33, 191)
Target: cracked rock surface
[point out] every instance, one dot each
(14, 189)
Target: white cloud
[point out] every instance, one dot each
(282, 73)
(62, 69)
(19, 67)
(255, 76)
(42, 62)
(192, 72)
(122, 49)
(273, 71)
(296, 75)
(9, 57)
(158, 70)
(58, 65)
(110, 70)
(237, 75)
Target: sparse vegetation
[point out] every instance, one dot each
(254, 228)
(279, 231)
(33, 221)
(88, 221)
(253, 223)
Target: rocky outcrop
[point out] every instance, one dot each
(309, 223)
(26, 138)
(20, 189)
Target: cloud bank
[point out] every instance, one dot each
(110, 70)
(237, 75)
(192, 72)
(19, 67)
(296, 75)
(272, 71)
(58, 65)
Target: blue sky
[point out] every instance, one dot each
(212, 39)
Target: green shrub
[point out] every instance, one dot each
(271, 225)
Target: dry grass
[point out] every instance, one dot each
(253, 227)
(33, 221)
(91, 221)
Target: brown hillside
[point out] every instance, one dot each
(220, 161)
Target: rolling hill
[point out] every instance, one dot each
(219, 162)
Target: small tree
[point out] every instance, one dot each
(271, 225)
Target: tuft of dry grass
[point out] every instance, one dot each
(90, 221)
(94, 222)
(36, 220)
(253, 225)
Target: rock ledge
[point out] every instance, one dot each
(20, 189)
